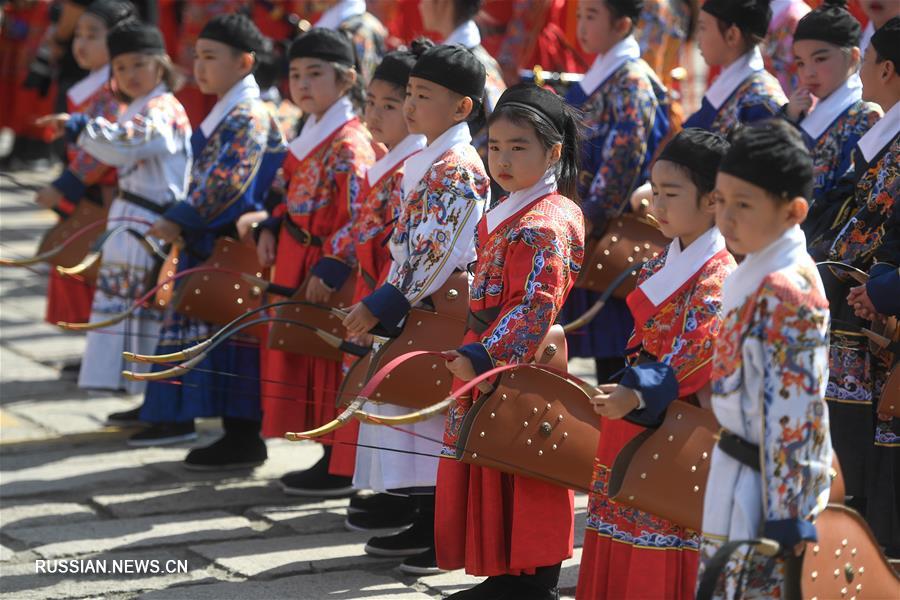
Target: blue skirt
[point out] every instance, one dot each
(606, 335)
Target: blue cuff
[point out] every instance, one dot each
(790, 532)
(273, 224)
(70, 186)
(76, 123)
(658, 386)
(883, 288)
(186, 216)
(478, 355)
(332, 271)
(389, 305)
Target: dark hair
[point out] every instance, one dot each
(465, 10)
(357, 91)
(571, 138)
(171, 77)
(616, 13)
(751, 40)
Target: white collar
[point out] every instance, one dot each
(519, 200)
(340, 12)
(831, 107)
(466, 35)
(607, 64)
(407, 147)
(245, 89)
(681, 265)
(881, 134)
(140, 104)
(315, 132)
(866, 37)
(86, 88)
(778, 8)
(734, 75)
(789, 249)
(418, 165)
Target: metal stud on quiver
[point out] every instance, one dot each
(301, 340)
(215, 297)
(628, 240)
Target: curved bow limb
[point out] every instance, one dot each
(96, 251)
(408, 418)
(185, 354)
(595, 308)
(857, 274)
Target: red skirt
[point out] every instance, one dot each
(492, 523)
(69, 299)
(298, 392)
(628, 553)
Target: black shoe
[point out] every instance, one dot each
(125, 418)
(317, 482)
(409, 542)
(228, 452)
(162, 434)
(381, 503)
(492, 588)
(369, 521)
(424, 563)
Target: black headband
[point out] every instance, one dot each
(112, 12)
(771, 155)
(830, 23)
(234, 30)
(887, 41)
(134, 36)
(395, 67)
(324, 44)
(752, 15)
(538, 100)
(698, 150)
(453, 67)
(627, 8)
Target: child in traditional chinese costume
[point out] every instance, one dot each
(511, 528)
(728, 34)
(69, 299)
(677, 309)
(236, 151)
(770, 471)
(778, 51)
(149, 145)
(325, 170)
(444, 191)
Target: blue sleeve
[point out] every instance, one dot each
(658, 386)
(74, 125)
(70, 186)
(332, 271)
(883, 288)
(790, 532)
(478, 355)
(389, 305)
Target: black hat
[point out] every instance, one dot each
(627, 8)
(886, 41)
(454, 67)
(699, 150)
(750, 15)
(395, 67)
(771, 154)
(134, 36)
(830, 23)
(324, 44)
(112, 12)
(536, 99)
(234, 30)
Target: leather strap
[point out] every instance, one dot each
(716, 565)
(479, 321)
(142, 202)
(302, 236)
(739, 449)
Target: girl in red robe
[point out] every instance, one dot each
(325, 169)
(69, 299)
(677, 312)
(530, 247)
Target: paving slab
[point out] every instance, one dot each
(72, 412)
(292, 555)
(351, 585)
(22, 377)
(40, 513)
(144, 532)
(306, 516)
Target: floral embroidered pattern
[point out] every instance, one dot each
(758, 97)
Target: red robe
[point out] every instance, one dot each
(489, 522)
(324, 189)
(629, 553)
(69, 298)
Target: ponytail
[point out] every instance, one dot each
(569, 165)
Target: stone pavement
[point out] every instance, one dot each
(71, 489)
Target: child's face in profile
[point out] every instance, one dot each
(384, 113)
(821, 67)
(675, 203)
(596, 26)
(431, 109)
(710, 40)
(217, 66)
(516, 157)
(314, 85)
(136, 74)
(749, 217)
(89, 43)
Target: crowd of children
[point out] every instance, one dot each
(419, 164)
